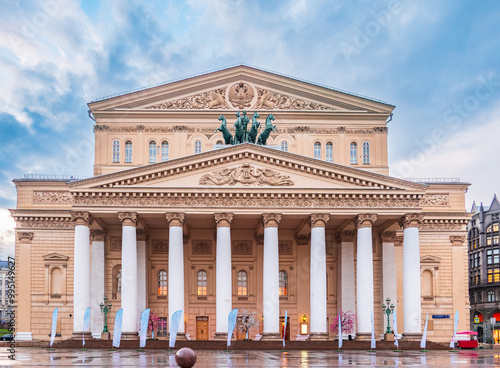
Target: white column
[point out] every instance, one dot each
(81, 284)
(223, 273)
(346, 293)
(271, 299)
(175, 267)
(389, 268)
(318, 321)
(23, 277)
(130, 324)
(364, 274)
(97, 283)
(141, 271)
(411, 277)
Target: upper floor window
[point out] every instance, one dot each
(197, 147)
(494, 275)
(152, 151)
(128, 151)
(491, 296)
(116, 150)
(164, 151)
(366, 153)
(202, 283)
(329, 151)
(354, 153)
(495, 227)
(317, 150)
(283, 283)
(242, 283)
(492, 256)
(284, 146)
(162, 282)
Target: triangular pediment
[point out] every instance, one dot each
(430, 259)
(55, 258)
(241, 87)
(248, 166)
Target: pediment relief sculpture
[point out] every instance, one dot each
(246, 174)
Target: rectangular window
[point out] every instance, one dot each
(488, 240)
(162, 326)
(495, 227)
(490, 275)
(496, 275)
(495, 239)
(489, 257)
(479, 297)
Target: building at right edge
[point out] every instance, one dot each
(484, 271)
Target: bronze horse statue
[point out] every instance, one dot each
(228, 138)
(252, 134)
(268, 128)
(239, 134)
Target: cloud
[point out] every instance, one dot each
(7, 234)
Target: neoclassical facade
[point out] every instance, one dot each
(175, 219)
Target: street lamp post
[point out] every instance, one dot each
(388, 309)
(105, 309)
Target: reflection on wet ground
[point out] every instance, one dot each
(31, 357)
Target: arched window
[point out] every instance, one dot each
(128, 151)
(283, 282)
(116, 151)
(491, 296)
(329, 151)
(219, 143)
(317, 150)
(197, 147)
(284, 146)
(162, 282)
(152, 151)
(242, 283)
(202, 283)
(366, 153)
(354, 153)
(164, 151)
(56, 281)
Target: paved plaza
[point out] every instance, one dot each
(38, 357)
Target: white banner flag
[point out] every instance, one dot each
(452, 343)
(340, 333)
(373, 345)
(54, 327)
(424, 336)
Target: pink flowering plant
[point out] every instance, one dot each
(153, 323)
(347, 320)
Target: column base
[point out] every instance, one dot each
(318, 336)
(130, 336)
(271, 336)
(411, 336)
(389, 337)
(105, 335)
(23, 336)
(364, 336)
(78, 335)
(220, 336)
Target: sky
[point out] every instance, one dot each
(436, 61)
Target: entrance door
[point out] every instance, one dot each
(282, 323)
(201, 328)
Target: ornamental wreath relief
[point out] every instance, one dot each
(246, 174)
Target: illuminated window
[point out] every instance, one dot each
(152, 151)
(116, 151)
(366, 153)
(283, 283)
(162, 282)
(128, 151)
(164, 151)
(354, 153)
(197, 147)
(329, 151)
(488, 229)
(496, 275)
(488, 240)
(202, 283)
(495, 227)
(317, 150)
(284, 146)
(242, 283)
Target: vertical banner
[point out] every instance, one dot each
(452, 343)
(143, 330)
(86, 322)
(54, 327)
(174, 327)
(231, 323)
(284, 329)
(424, 336)
(117, 332)
(373, 345)
(395, 326)
(341, 339)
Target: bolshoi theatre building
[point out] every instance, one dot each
(287, 206)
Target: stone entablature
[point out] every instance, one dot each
(43, 219)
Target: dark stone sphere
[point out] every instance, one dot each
(185, 358)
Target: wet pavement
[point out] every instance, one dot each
(39, 357)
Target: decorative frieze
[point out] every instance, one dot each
(44, 222)
(242, 248)
(205, 100)
(434, 200)
(365, 220)
(202, 247)
(175, 219)
(25, 237)
(245, 174)
(271, 219)
(411, 220)
(319, 219)
(285, 248)
(240, 95)
(128, 218)
(160, 247)
(52, 197)
(116, 243)
(457, 240)
(223, 219)
(275, 100)
(443, 224)
(97, 235)
(81, 218)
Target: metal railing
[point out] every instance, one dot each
(433, 180)
(50, 177)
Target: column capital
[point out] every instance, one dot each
(97, 235)
(457, 240)
(175, 219)
(346, 236)
(411, 220)
(81, 218)
(142, 235)
(128, 218)
(318, 219)
(302, 239)
(271, 219)
(365, 220)
(223, 219)
(388, 237)
(24, 237)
